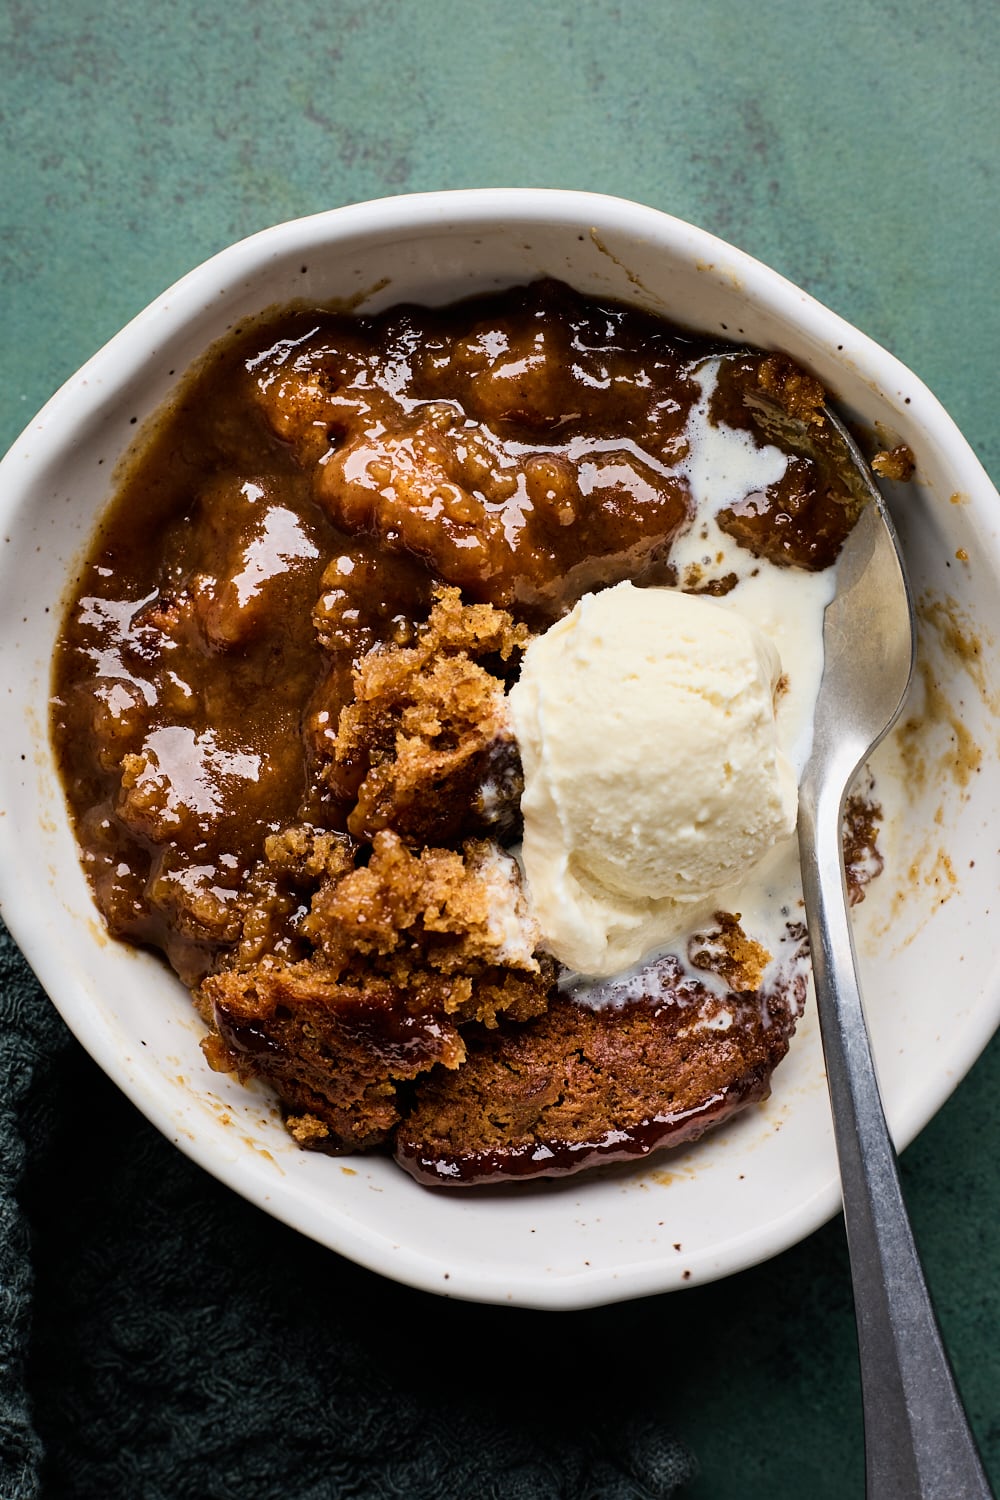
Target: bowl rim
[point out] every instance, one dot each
(99, 383)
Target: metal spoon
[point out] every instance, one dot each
(918, 1444)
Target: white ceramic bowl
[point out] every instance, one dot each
(929, 967)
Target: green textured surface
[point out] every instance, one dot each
(853, 147)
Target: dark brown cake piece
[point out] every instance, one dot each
(425, 747)
(335, 1050)
(643, 1063)
(803, 519)
(400, 952)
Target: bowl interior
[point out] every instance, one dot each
(931, 981)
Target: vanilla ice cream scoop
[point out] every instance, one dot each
(654, 777)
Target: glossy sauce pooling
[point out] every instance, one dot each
(294, 507)
(515, 446)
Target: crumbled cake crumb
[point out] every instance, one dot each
(895, 463)
(862, 858)
(728, 952)
(307, 1129)
(309, 853)
(800, 395)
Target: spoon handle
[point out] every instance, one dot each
(918, 1444)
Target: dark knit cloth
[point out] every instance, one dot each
(160, 1338)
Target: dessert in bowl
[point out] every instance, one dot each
(609, 1234)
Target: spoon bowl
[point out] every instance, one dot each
(868, 639)
(918, 1445)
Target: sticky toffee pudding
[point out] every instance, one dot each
(280, 713)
